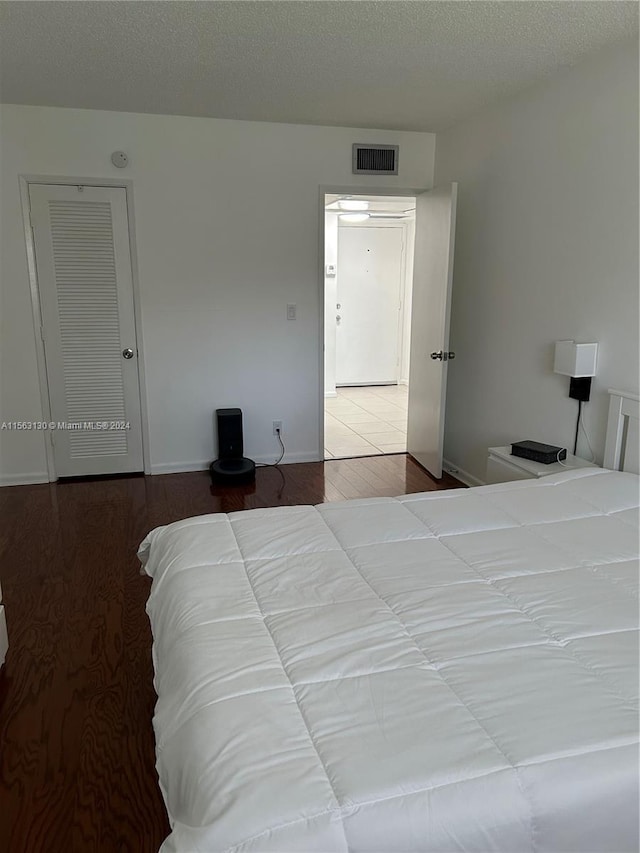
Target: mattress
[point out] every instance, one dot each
(436, 672)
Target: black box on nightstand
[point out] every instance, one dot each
(546, 454)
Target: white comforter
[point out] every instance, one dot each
(441, 671)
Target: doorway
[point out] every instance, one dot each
(369, 249)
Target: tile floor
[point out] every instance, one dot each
(366, 421)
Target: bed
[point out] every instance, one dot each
(436, 672)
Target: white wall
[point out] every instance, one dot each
(227, 234)
(546, 249)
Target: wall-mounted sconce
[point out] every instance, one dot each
(579, 362)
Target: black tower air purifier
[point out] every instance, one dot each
(231, 466)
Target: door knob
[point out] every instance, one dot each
(127, 353)
(442, 356)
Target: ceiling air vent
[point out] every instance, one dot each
(375, 159)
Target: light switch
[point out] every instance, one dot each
(291, 311)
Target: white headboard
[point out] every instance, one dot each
(621, 450)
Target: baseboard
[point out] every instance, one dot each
(289, 458)
(371, 384)
(186, 467)
(330, 393)
(180, 467)
(292, 458)
(460, 474)
(39, 477)
(403, 381)
(24, 479)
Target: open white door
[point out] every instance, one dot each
(431, 311)
(81, 239)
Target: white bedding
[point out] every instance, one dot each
(442, 671)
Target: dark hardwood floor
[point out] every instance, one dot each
(76, 694)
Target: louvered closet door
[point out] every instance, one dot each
(83, 262)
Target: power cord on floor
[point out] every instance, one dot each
(280, 458)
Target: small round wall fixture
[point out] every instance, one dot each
(119, 159)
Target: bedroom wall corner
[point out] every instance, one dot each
(546, 249)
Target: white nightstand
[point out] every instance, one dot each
(502, 467)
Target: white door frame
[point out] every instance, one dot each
(353, 190)
(127, 185)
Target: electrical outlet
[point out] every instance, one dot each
(277, 427)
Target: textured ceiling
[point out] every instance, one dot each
(401, 65)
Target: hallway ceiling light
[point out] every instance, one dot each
(354, 217)
(353, 204)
